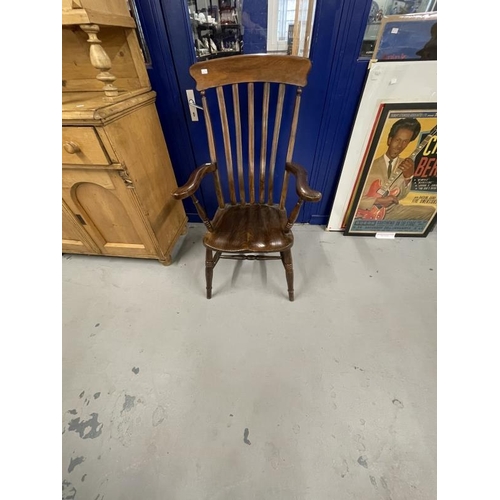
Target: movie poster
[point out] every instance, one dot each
(397, 187)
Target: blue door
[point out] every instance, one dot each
(329, 101)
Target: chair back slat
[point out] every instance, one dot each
(227, 144)
(259, 80)
(293, 131)
(263, 143)
(211, 149)
(291, 145)
(284, 189)
(276, 135)
(239, 148)
(208, 124)
(251, 144)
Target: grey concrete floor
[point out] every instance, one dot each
(168, 395)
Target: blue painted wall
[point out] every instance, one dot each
(329, 101)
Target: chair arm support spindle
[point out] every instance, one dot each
(202, 213)
(293, 215)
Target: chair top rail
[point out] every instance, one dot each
(291, 70)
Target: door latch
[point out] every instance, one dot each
(193, 107)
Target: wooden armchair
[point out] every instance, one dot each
(252, 221)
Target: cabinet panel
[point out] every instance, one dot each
(74, 237)
(109, 211)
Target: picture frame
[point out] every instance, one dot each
(398, 197)
(407, 37)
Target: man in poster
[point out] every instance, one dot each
(390, 179)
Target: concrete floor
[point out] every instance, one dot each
(168, 395)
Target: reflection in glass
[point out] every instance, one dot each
(381, 8)
(216, 27)
(229, 27)
(291, 22)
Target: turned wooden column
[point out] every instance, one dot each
(100, 60)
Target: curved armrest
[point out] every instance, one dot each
(194, 181)
(303, 190)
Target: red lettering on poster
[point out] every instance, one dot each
(427, 167)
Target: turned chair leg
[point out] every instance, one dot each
(209, 272)
(286, 258)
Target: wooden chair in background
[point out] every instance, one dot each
(253, 220)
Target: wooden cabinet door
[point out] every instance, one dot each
(74, 237)
(108, 208)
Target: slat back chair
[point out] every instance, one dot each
(251, 220)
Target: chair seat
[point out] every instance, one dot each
(249, 228)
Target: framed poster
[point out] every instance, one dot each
(410, 37)
(396, 190)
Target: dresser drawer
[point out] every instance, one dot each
(82, 146)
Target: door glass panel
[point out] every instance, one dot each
(381, 8)
(216, 27)
(223, 28)
(290, 23)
